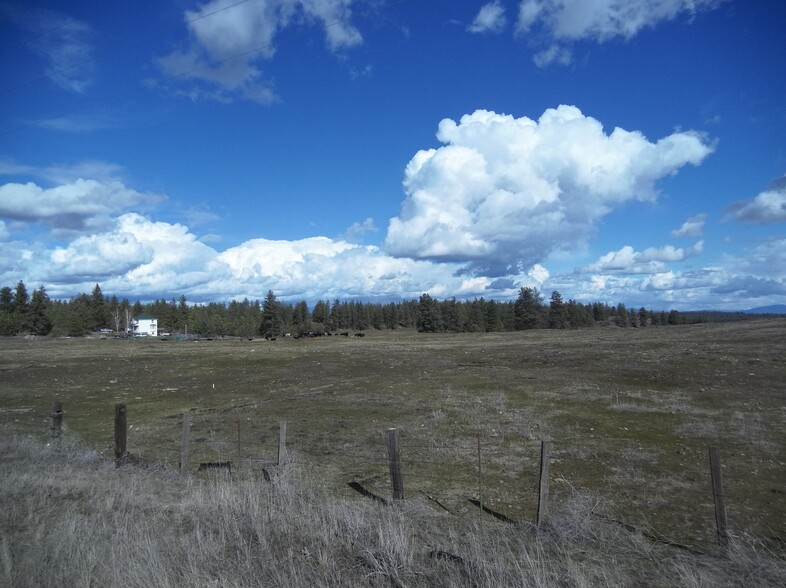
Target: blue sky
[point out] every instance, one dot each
(615, 151)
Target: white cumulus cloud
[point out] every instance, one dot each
(652, 260)
(97, 257)
(503, 192)
(136, 254)
(154, 259)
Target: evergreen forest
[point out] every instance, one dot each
(36, 313)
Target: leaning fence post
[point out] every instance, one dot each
(121, 433)
(719, 498)
(282, 442)
(186, 438)
(394, 461)
(543, 486)
(57, 419)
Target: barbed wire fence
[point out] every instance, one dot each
(511, 479)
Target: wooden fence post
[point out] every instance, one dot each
(480, 480)
(282, 442)
(186, 439)
(121, 433)
(719, 498)
(543, 486)
(394, 461)
(57, 419)
(238, 441)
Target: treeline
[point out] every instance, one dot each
(37, 314)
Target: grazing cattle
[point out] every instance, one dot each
(345, 334)
(360, 334)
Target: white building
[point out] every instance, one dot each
(144, 325)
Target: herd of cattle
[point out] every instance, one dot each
(315, 334)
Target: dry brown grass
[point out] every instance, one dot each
(630, 412)
(70, 518)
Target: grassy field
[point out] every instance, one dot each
(630, 413)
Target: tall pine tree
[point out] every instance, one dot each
(271, 316)
(527, 309)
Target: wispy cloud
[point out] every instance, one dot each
(691, 227)
(65, 45)
(357, 230)
(552, 26)
(60, 173)
(490, 19)
(77, 123)
(766, 207)
(228, 41)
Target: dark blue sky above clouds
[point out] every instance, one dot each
(630, 151)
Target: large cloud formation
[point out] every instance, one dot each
(157, 259)
(503, 192)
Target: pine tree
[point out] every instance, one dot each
(622, 316)
(300, 318)
(39, 313)
(557, 314)
(7, 319)
(182, 313)
(271, 316)
(429, 318)
(450, 316)
(78, 321)
(320, 313)
(21, 308)
(643, 316)
(98, 311)
(137, 309)
(476, 316)
(527, 309)
(493, 320)
(390, 315)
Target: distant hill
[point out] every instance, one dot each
(772, 309)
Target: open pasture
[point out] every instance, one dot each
(630, 413)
